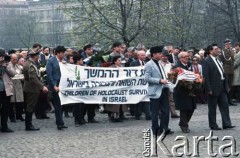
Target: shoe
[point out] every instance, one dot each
(13, 120)
(118, 120)
(185, 130)
(32, 128)
(42, 117)
(20, 118)
(77, 124)
(148, 118)
(175, 116)
(93, 121)
(228, 127)
(215, 128)
(232, 104)
(60, 127)
(66, 114)
(7, 130)
(123, 118)
(45, 117)
(84, 121)
(137, 118)
(166, 132)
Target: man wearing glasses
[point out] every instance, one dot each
(183, 101)
(215, 83)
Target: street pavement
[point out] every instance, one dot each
(108, 140)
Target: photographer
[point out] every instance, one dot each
(6, 91)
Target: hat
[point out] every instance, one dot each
(2, 52)
(32, 52)
(227, 41)
(156, 49)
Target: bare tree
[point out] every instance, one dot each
(230, 10)
(114, 20)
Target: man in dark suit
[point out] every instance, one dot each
(32, 88)
(173, 57)
(157, 91)
(141, 106)
(215, 84)
(53, 76)
(183, 101)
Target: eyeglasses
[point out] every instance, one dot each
(185, 57)
(194, 60)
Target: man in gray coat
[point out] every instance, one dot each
(157, 92)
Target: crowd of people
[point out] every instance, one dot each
(29, 84)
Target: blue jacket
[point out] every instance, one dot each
(53, 73)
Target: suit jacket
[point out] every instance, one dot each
(43, 60)
(32, 83)
(136, 63)
(212, 77)
(153, 76)
(53, 73)
(227, 58)
(183, 101)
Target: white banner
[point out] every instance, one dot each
(96, 85)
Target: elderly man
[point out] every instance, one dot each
(17, 98)
(142, 106)
(183, 101)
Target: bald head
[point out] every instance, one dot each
(141, 55)
(183, 57)
(14, 59)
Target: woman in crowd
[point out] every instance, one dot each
(115, 109)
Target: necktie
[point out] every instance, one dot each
(220, 66)
(142, 63)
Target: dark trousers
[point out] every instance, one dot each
(58, 109)
(90, 110)
(42, 105)
(222, 103)
(161, 104)
(31, 100)
(4, 104)
(16, 110)
(79, 110)
(142, 107)
(185, 116)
